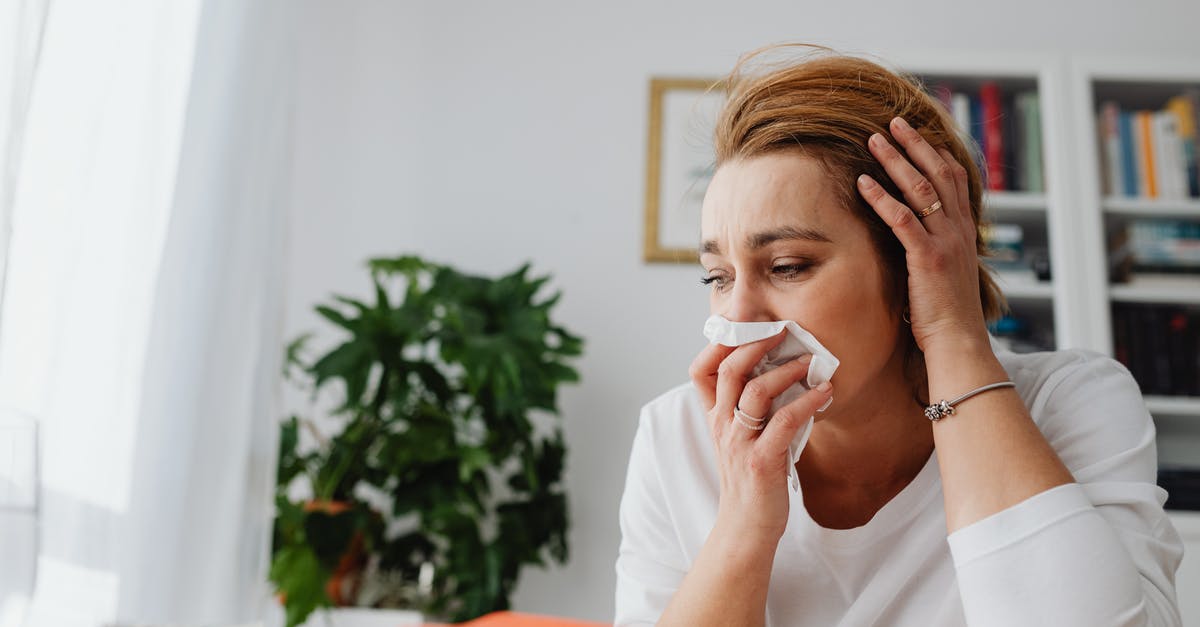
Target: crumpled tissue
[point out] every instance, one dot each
(798, 342)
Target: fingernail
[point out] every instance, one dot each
(901, 124)
(804, 359)
(875, 139)
(865, 181)
(825, 386)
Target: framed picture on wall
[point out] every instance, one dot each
(679, 162)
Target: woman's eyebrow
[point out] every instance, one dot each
(759, 240)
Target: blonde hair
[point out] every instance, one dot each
(825, 106)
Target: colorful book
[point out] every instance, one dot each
(1032, 142)
(1186, 107)
(1110, 146)
(1171, 165)
(976, 129)
(1129, 161)
(1143, 137)
(993, 135)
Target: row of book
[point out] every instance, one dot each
(1160, 344)
(1022, 333)
(1151, 153)
(1007, 129)
(1154, 245)
(1182, 484)
(1010, 254)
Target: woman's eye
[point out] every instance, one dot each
(790, 270)
(718, 282)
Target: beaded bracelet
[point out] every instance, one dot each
(936, 411)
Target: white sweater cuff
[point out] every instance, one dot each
(1010, 526)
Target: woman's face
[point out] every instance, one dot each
(776, 244)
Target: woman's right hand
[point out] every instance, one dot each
(753, 464)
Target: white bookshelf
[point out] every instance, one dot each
(1074, 213)
(1135, 83)
(1044, 215)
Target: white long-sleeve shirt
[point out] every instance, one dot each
(1097, 552)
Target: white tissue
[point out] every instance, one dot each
(798, 342)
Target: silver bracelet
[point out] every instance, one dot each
(936, 411)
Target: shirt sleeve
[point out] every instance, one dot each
(1100, 551)
(650, 563)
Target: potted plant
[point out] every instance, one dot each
(443, 476)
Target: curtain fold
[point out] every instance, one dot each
(21, 24)
(141, 325)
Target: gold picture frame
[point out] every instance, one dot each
(678, 163)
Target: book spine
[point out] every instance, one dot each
(1194, 365)
(1120, 319)
(1139, 344)
(1193, 98)
(960, 108)
(1146, 168)
(1110, 142)
(1169, 155)
(993, 133)
(1033, 143)
(1177, 343)
(1020, 130)
(977, 135)
(1183, 107)
(1129, 161)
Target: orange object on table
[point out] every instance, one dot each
(517, 619)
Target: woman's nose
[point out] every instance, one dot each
(747, 303)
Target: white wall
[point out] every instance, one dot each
(485, 134)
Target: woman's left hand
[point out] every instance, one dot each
(943, 270)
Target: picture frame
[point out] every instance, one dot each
(679, 161)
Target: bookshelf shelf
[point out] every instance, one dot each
(1146, 207)
(1024, 285)
(1158, 288)
(1173, 405)
(1015, 202)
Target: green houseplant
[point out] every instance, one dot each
(444, 477)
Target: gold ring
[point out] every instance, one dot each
(931, 209)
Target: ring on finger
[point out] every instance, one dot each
(748, 421)
(930, 210)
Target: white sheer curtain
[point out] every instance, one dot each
(140, 321)
(21, 24)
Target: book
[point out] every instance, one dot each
(1168, 156)
(1143, 149)
(977, 137)
(1030, 106)
(960, 109)
(1163, 245)
(1129, 163)
(1110, 148)
(1013, 178)
(1182, 485)
(993, 135)
(1186, 107)
(1179, 346)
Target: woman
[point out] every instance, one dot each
(843, 200)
